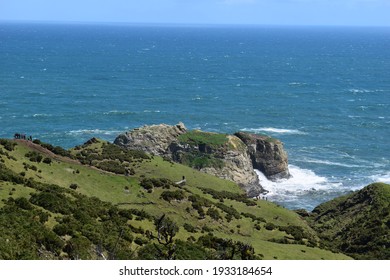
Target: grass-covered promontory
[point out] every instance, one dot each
(98, 201)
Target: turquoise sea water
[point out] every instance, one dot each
(325, 92)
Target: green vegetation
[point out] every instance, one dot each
(76, 209)
(200, 160)
(197, 137)
(357, 224)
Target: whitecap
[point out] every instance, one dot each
(354, 90)
(302, 181)
(275, 130)
(93, 132)
(327, 162)
(41, 115)
(116, 112)
(296, 84)
(384, 178)
(149, 111)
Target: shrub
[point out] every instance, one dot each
(112, 166)
(7, 144)
(150, 183)
(229, 210)
(270, 226)
(52, 201)
(34, 156)
(173, 195)
(73, 186)
(213, 213)
(140, 241)
(47, 160)
(189, 228)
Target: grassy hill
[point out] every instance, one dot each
(98, 201)
(357, 224)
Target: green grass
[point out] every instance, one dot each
(126, 192)
(197, 137)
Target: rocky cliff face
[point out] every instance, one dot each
(267, 155)
(229, 160)
(154, 139)
(231, 157)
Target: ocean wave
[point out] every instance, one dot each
(302, 182)
(355, 90)
(122, 113)
(275, 130)
(149, 111)
(92, 132)
(42, 115)
(297, 84)
(327, 162)
(384, 178)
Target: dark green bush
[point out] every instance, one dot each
(228, 210)
(189, 228)
(112, 166)
(270, 226)
(8, 144)
(34, 156)
(214, 214)
(173, 195)
(53, 201)
(47, 160)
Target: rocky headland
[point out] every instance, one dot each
(232, 157)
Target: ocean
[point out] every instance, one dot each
(323, 91)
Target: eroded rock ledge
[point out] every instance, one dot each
(231, 157)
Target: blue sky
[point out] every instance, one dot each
(264, 12)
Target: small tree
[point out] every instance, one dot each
(166, 231)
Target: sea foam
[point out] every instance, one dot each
(302, 182)
(275, 130)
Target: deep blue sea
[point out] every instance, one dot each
(325, 92)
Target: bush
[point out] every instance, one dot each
(53, 201)
(112, 166)
(7, 144)
(270, 226)
(189, 228)
(173, 195)
(213, 213)
(34, 156)
(150, 183)
(296, 231)
(229, 210)
(47, 160)
(73, 186)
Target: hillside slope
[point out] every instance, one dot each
(99, 201)
(357, 224)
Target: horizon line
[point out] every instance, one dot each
(185, 24)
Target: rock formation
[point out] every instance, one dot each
(154, 139)
(267, 155)
(231, 157)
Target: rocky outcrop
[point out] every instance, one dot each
(229, 160)
(224, 156)
(154, 139)
(231, 157)
(267, 155)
